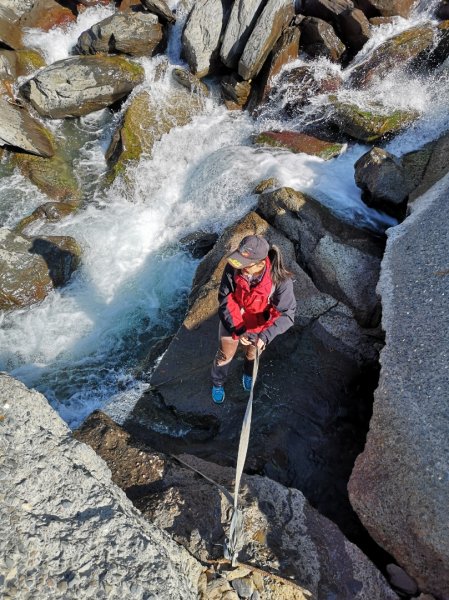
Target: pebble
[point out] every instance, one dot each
(401, 580)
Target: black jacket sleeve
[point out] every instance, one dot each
(284, 301)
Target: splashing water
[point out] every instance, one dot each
(80, 346)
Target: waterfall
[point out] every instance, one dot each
(82, 344)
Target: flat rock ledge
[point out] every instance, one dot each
(400, 484)
(66, 531)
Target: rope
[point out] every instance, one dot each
(233, 543)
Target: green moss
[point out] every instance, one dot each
(28, 61)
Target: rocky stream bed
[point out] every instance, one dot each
(140, 142)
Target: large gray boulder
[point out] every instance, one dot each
(67, 532)
(282, 533)
(80, 85)
(133, 33)
(18, 7)
(20, 130)
(241, 22)
(202, 35)
(275, 17)
(31, 267)
(160, 8)
(343, 260)
(400, 483)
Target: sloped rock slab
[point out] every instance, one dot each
(202, 35)
(318, 38)
(134, 33)
(19, 129)
(79, 85)
(67, 532)
(386, 8)
(282, 533)
(299, 142)
(309, 378)
(243, 17)
(160, 8)
(31, 267)
(400, 484)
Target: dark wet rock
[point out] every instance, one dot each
(297, 86)
(20, 130)
(299, 142)
(199, 243)
(285, 50)
(46, 14)
(383, 180)
(399, 486)
(160, 8)
(235, 89)
(189, 81)
(32, 267)
(354, 29)
(10, 32)
(318, 38)
(386, 8)
(401, 581)
(281, 532)
(49, 212)
(202, 35)
(243, 18)
(54, 176)
(146, 119)
(80, 85)
(63, 520)
(134, 33)
(370, 123)
(343, 260)
(438, 53)
(275, 17)
(393, 53)
(443, 11)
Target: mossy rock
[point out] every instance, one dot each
(299, 142)
(29, 61)
(53, 176)
(145, 121)
(370, 125)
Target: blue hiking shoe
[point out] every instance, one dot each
(247, 382)
(218, 394)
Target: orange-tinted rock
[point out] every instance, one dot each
(46, 14)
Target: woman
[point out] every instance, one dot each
(256, 303)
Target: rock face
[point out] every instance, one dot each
(134, 33)
(386, 8)
(202, 35)
(371, 122)
(243, 17)
(355, 30)
(282, 533)
(19, 129)
(77, 86)
(32, 267)
(318, 38)
(343, 260)
(299, 142)
(67, 530)
(275, 17)
(45, 14)
(400, 485)
(396, 51)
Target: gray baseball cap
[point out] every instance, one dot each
(251, 250)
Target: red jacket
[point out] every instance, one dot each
(265, 309)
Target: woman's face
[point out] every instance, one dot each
(254, 269)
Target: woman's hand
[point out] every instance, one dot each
(260, 344)
(244, 340)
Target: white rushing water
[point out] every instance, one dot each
(80, 346)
